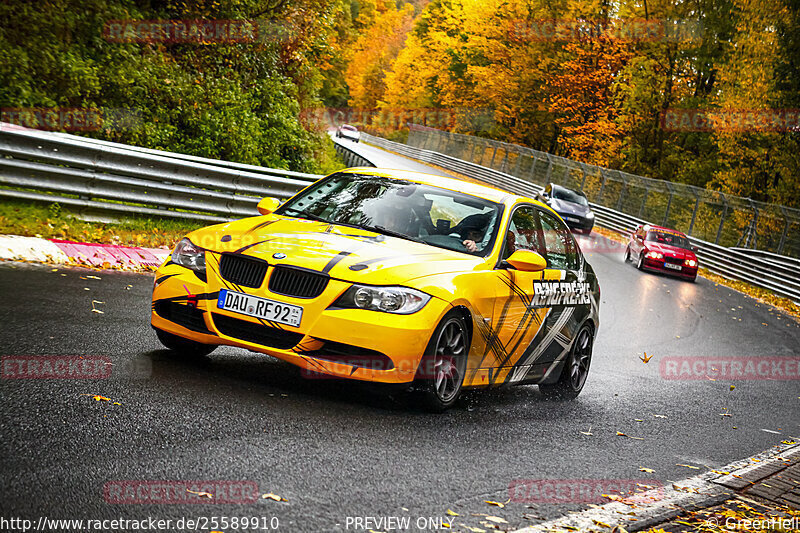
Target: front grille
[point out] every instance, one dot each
(673, 260)
(242, 270)
(297, 282)
(347, 354)
(256, 333)
(183, 315)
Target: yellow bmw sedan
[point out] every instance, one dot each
(392, 277)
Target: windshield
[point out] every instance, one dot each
(434, 216)
(671, 239)
(569, 196)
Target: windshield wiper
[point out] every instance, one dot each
(391, 233)
(306, 214)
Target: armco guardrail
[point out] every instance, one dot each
(110, 177)
(744, 265)
(350, 158)
(712, 216)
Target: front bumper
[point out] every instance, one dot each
(657, 265)
(347, 343)
(577, 222)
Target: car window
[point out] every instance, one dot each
(568, 195)
(426, 213)
(561, 250)
(672, 239)
(523, 233)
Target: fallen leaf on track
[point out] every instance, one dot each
(271, 496)
(451, 513)
(648, 470)
(645, 358)
(621, 434)
(201, 493)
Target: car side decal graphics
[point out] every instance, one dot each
(560, 293)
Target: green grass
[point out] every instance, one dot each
(32, 219)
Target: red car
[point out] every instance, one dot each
(662, 250)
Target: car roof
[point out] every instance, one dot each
(648, 227)
(482, 191)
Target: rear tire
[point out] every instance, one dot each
(640, 264)
(184, 347)
(442, 369)
(628, 254)
(576, 368)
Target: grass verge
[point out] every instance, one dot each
(31, 219)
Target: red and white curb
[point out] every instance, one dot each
(694, 493)
(92, 255)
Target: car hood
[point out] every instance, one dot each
(670, 251)
(346, 253)
(569, 208)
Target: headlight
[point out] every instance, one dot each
(398, 300)
(590, 215)
(654, 255)
(188, 255)
(690, 262)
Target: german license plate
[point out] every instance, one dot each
(672, 266)
(258, 307)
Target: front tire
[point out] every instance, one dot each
(573, 376)
(442, 369)
(184, 347)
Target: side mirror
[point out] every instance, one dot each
(694, 248)
(527, 261)
(268, 205)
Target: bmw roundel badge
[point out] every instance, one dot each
(279, 255)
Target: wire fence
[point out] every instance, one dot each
(711, 216)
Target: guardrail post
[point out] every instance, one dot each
(583, 179)
(785, 230)
(519, 163)
(622, 192)
(694, 213)
(549, 170)
(532, 173)
(644, 201)
(669, 203)
(474, 144)
(602, 186)
(722, 219)
(494, 153)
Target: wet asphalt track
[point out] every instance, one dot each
(338, 449)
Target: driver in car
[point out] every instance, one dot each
(472, 230)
